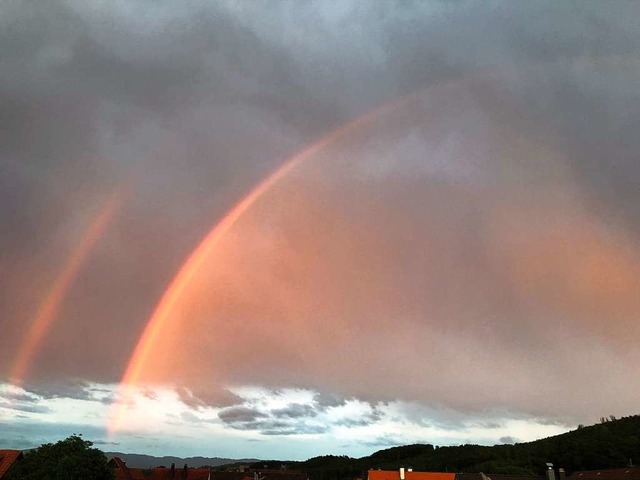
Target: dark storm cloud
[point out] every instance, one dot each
(63, 389)
(274, 427)
(490, 425)
(67, 388)
(87, 94)
(597, 115)
(104, 442)
(240, 414)
(206, 398)
(23, 397)
(326, 400)
(206, 100)
(293, 419)
(457, 420)
(298, 429)
(384, 441)
(295, 410)
(508, 440)
(356, 422)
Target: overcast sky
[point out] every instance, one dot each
(456, 261)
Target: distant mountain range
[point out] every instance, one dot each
(135, 460)
(612, 443)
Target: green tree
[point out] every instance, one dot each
(69, 459)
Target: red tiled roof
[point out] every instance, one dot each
(395, 475)
(137, 474)
(7, 457)
(618, 473)
(122, 472)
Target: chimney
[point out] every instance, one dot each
(550, 474)
(561, 475)
(401, 473)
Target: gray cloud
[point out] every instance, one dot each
(273, 427)
(293, 419)
(240, 414)
(23, 397)
(385, 441)
(294, 410)
(454, 253)
(369, 418)
(104, 442)
(326, 400)
(189, 417)
(196, 399)
(297, 429)
(67, 388)
(25, 407)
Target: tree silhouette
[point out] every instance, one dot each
(69, 459)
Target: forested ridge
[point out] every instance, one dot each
(612, 443)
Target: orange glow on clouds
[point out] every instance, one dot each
(472, 248)
(571, 262)
(165, 311)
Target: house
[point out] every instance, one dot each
(180, 473)
(497, 476)
(123, 472)
(613, 474)
(260, 474)
(7, 457)
(408, 474)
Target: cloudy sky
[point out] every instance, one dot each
(284, 230)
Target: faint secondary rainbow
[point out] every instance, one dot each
(196, 259)
(51, 304)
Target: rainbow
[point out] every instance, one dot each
(187, 272)
(51, 304)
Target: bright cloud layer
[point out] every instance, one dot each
(280, 424)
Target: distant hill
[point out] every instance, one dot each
(609, 444)
(135, 460)
(612, 443)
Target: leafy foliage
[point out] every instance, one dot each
(69, 459)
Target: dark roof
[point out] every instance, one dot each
(7, 457)
(614, 474)
(264, 474)
(497, 476)
(162, 473)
